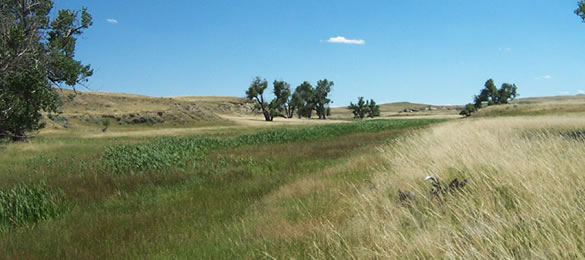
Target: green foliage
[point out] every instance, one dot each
(36, 54)
(105, 123)
(364, 108)
(506, 93)
(373, 109)
(28, 204)
(256, 92)
(320, 97)
(468, 110)
(495, 96)
(281, 104)
(303, 99)
(177, 152)
(360, 109)
(580, 11)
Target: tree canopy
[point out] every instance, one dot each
(37, 54)
(303, 101)
(320, 97)
(256, 92)
(363, 108)
(495, 96)
(580, 11)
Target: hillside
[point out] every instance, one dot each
(554, 105)
(402, 109)
(90, 108)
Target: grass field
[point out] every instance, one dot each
(239, 187)
(524, 198)
(242, 195)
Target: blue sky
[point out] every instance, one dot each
(426, 51)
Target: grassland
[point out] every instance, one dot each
(524, 200)
(559, 105)
(239, 187)
(242, 195)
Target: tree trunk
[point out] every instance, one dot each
(267, 115)
(19, 135)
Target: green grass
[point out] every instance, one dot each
(24, 205)
(240, 196)
(173, 152)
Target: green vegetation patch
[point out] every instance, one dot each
(177, 152)
(22, 205)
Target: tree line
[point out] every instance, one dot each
(305, 100)
(491, 95)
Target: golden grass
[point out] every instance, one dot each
(525, 199)
(558, 105)
(395, 110)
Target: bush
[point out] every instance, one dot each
(468, 110)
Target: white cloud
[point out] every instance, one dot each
(341, 39)
(544, 77)
(580, 91)
(111, 20)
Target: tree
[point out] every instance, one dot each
(282, 100)
(580, 11)
(373, 109)
(495, 96)
(360, 109)
(320, 97)
(364, 108)
(36, 56)
(256, 92)
(304, 100)
(489, 93)
(468, 110)
(506, 93)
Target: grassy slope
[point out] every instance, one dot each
(240, 201)
(307, 198)
(396, 110)
(558, 105)
(524, 199)
(88, 108)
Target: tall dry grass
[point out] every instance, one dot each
(525, 198)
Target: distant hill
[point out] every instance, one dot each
(401, 109)
(537, 106)
(89, 108)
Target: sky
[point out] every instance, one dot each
(423, 51)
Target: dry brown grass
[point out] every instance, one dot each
(526, 196)
(558, 105)
(396, 110)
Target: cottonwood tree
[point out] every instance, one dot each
(282, 101)
(507, 93)
(360, 109)
(373, 109)
(320, 97)
(256, 92)
(37, 55)
(495, 96)
(364, 108)
(303, 100)
(489, 93)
